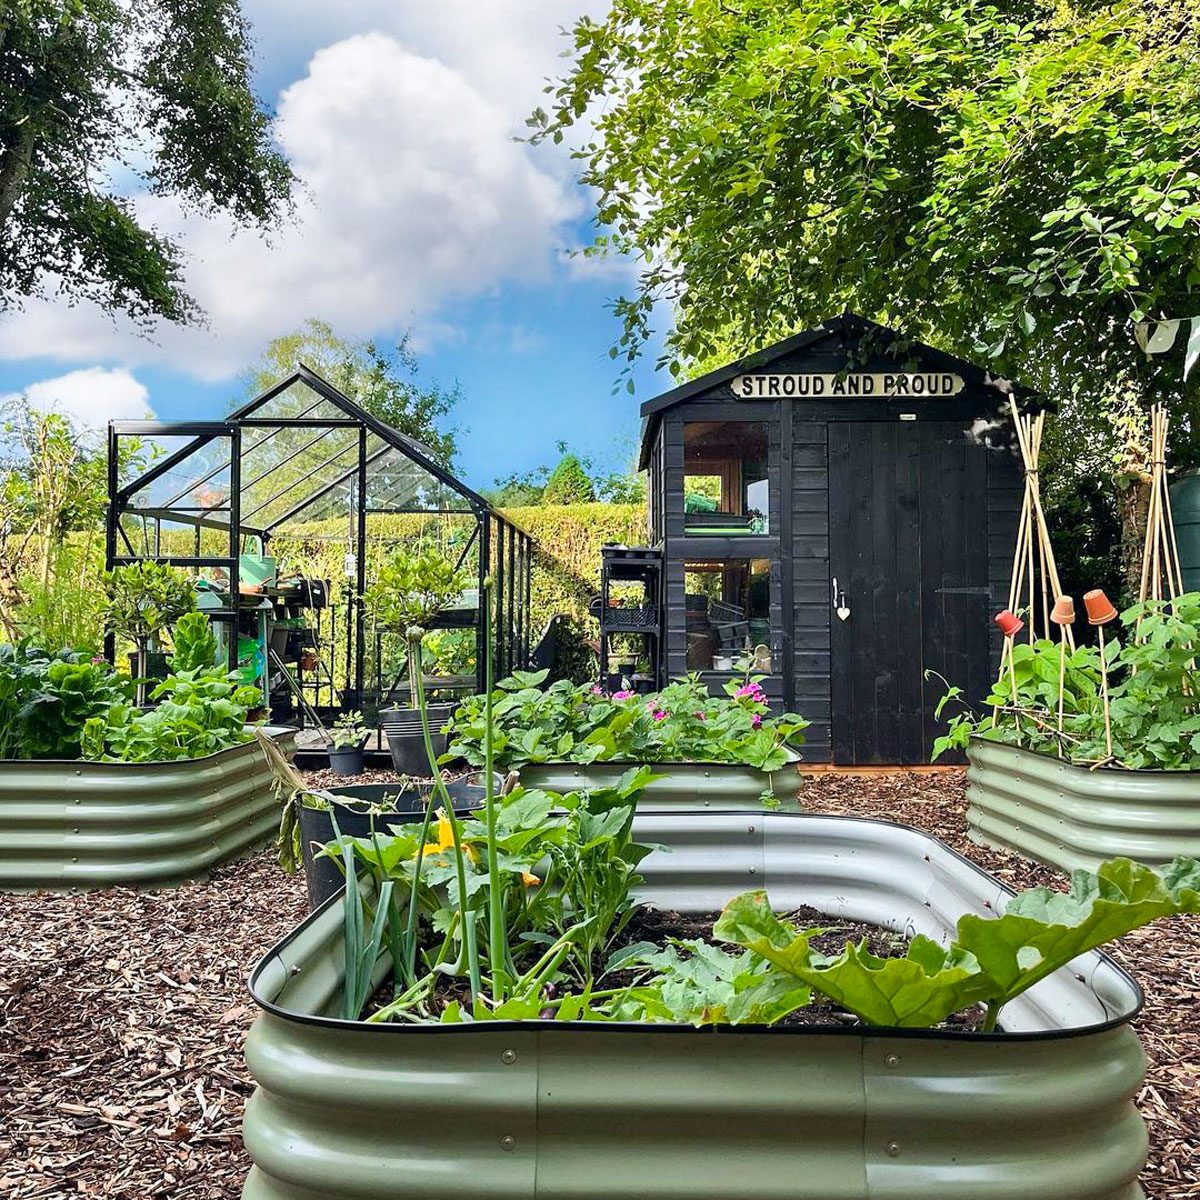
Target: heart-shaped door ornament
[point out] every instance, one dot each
(843, 612)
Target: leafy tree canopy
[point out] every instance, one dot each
(575, 479)
(381, 380)
(91, 90)
(1016, 180)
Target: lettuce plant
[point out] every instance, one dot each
(46, 699)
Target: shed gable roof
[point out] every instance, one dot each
(850, 327)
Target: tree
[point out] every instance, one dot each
(382, 381)
(90, 89)
(53, 483)
(569, 483)
(1013, 181)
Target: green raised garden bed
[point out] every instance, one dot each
(1070, 817)
(72, 824)
(687, 785)
(542, 1110)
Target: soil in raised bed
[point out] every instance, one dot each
(661, 926)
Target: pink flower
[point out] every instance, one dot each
(753, 690)
(659, 714)
(756, 721)
(597, 690)
(700, 717)
(622, 695)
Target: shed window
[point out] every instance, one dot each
(728, 610)
(725, 478)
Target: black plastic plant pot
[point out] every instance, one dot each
(322, 876)
(406, 743)
(346, 760)
(545, 1110)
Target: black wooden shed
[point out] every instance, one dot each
(848, 499)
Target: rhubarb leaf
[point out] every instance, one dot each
(1042, 930)
(918, 990)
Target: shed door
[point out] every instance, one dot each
(908, 536)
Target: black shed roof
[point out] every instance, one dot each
(850, 328)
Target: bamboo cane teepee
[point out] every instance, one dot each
(1035, 584)
(1162, 578)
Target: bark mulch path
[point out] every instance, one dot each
(1164, 958)
(122, 1017)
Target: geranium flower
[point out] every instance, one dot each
(753, 690)
(622, 695)
(597, 690)
(756, 721)
(660, 714)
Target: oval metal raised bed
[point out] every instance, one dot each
(545, 1111)
(93, 824)
(1070, 817)
(687, 785)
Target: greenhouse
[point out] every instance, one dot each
(285, 512)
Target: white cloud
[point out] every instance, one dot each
(91, 397)
(412, 194)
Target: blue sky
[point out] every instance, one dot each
(417, 210)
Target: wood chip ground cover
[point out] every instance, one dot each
(122, 1017)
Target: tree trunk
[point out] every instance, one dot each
(1134, 501)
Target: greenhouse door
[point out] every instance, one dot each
(908, 532)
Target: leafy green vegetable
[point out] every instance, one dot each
(47, 698)
(707, 986)
(1042, 930)
(920, 989)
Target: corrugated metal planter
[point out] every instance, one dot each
(545, 1111)
(91, 824)
(688, 785)
(1070, 817)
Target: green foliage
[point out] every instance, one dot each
(991, 961)
(569, 483)
(145, 599)
(919, 990)
(195, 644)
(94, 90)
(200, 710)
(1155, 701)
(414, 586)
(383, 380)
(706, 986)
(348, 731)
(47, 698)
(581, 723)
(1017, 183)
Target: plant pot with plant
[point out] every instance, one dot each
(348, 737)
(144, 599)
(1084, 758)
(578, 1004)
(706, 751)
(410, 590)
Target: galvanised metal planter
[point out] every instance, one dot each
(1070, 817)
(93, 824)
(688, 785)
(546, 1111)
